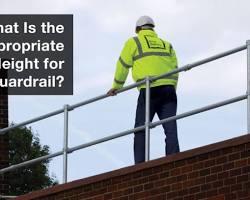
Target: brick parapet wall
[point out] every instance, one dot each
(4, 142)
(4, 139)
(219, 171)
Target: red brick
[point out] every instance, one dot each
(194, 190)
(178, 198)
(143, 180)
(223, 175)
(194, 174)
(188, 183)
(111, 188)
(117, 194)
(245, 154)
(158, 197)
(219, 197)
(183, 192)
(154, 177)
(230, 181)
(216, 169)
(191, 160)
(189, 197)
(97, 185)
(211, 178)
(97, 192)
(198, 166)
(199, 181)
(171, 195)
(227, 151)
(246, 185)
(242, 178)
(160, 190)
(140, 195)
(137, 174)
(200, 195)
(126, 178)
(106, 183)
(179, 163)
(212, 193)
(230, 196)
(168, 166)
(116, 180)
(176, 186)
(148, 186)
(147, 172)
(246, 169)
(122, 185)
(236, 187)
(224, 190)
(234, 156)
(131, 197)
(205, 172)
(217, 184)
(175, 172)
(165, 189)
(87, 188)
(164, 174)
(235, 172)
(221, 160)
(181, 178)
(138, 188)
(157, 169)
(108, 196)
(243, 194)
(203, 157)
(127, 191)
(206, 187)
(241, 163)
(170, 180)
(159, 183)
(187, 168)
(228, 166)
(238, 148)
(209, 163)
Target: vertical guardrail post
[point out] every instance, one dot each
(65, 144)
(248, 86)
(147, 121)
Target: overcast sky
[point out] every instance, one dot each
(196, 29)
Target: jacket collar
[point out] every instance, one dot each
(147, 32)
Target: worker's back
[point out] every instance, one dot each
(152, 57)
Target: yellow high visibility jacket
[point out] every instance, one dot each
(146, 55)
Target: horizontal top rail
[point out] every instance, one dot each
(71, 107)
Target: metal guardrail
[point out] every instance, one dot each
(148, 125)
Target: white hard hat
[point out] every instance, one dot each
(145, 20)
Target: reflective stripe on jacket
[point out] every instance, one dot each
(146, 55)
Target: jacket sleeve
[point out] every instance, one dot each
(124, 63)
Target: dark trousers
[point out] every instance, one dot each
(163, 101)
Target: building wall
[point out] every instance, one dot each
(220, 171)
(4, 140)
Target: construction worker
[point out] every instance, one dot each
(148, 56)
